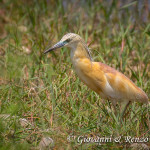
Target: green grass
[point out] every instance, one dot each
(46, 91)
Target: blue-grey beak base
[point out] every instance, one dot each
(56, 46)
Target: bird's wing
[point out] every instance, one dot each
(120, 87)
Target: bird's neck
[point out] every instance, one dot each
(78, 52)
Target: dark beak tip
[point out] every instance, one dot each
(44, 52)
(56, 46)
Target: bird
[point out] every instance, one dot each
(106, 81)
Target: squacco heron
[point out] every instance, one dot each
(109, 83)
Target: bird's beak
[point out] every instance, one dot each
(56, 46)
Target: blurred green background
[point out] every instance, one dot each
(46, 92)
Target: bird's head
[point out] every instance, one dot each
(68, 40)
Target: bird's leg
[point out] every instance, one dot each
(123, 107)
(114, 107)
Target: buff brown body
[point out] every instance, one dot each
(104, 80)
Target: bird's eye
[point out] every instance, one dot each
(68, 40)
